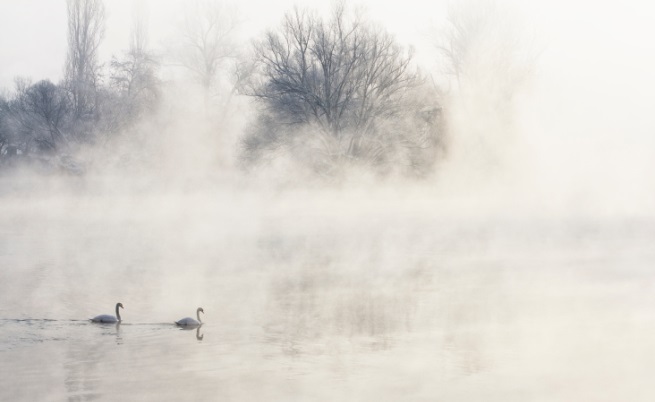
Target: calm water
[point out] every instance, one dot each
(320, 297)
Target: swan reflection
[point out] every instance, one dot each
(119, 338)
(199, 336)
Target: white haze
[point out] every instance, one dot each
(521, 270)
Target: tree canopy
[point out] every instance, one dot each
(339, 87)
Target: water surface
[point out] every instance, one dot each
(308, 298)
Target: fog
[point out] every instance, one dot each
(516, 266)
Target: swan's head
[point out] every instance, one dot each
(119, 305)
(200, 310)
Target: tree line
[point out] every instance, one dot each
(43, 120)
(328, 92)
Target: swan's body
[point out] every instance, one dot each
(190, 322)
(106, 318)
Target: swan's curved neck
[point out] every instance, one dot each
(118, 315)
(198, 315)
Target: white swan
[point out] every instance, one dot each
(190, 322)
(106, 318)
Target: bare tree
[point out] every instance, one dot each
(5, 132)
(347, 79)
(134, 74)
(481, 44)
(86, 20)
(490, 58)
(39, 111)
(207, 42)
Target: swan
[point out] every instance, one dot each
(190, 322)
(106, 318)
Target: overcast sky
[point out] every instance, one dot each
(600, 38)
(607, 36)
(33, 32)
(597, 57)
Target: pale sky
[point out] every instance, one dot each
(33, 32)
(597, 58)
(578, 34)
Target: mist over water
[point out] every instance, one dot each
(359, 293)
(520, 269)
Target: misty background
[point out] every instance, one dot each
(551, 98)
(384, 200)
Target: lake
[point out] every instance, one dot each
(320, 295)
